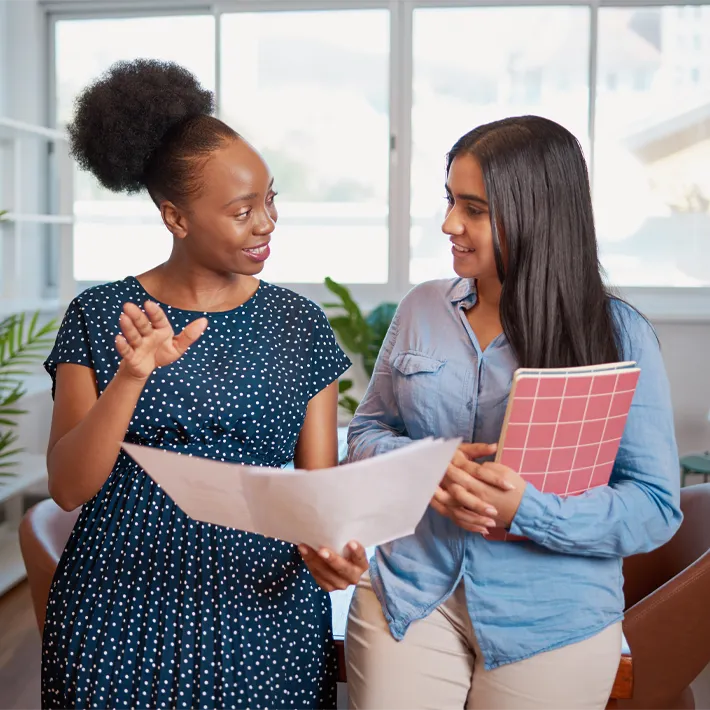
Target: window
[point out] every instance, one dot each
(311, 87)
(476, 65)
(117, 235)
(310, 90)
(651, 186)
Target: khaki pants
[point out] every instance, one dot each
(438, 665)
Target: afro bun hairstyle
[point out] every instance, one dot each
(146, 124)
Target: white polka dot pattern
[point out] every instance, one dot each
(151, 609)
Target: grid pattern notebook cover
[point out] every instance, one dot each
(562, 428)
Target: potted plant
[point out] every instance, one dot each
(23, 343)
(360, 335)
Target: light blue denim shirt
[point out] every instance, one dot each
(564, 583)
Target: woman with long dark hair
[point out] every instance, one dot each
(446, 617)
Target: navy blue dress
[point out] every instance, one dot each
(149, 608)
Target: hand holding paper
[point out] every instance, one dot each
(372, 501)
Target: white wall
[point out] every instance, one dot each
(4, 56)
(686, 351)
(23, 61)
(26, 51)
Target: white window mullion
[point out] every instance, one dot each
(401, 145)
(217, 58)
(593, 64)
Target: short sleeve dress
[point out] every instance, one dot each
(149, 608)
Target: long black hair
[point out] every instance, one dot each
(554, 307)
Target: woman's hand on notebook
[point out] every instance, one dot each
(478, 496)
(495, 476)
(333, 571)
(478, 515)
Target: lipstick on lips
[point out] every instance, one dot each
(260, 253)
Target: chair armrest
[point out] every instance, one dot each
(668, 635)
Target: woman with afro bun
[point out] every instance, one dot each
(149, 608)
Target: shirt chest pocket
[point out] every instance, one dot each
(429, 393)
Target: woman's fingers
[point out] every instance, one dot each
(325, 578)
(443, 497)
(123, 348)
(471, 521)
(357, 555)
(139, 319)
(440, 507)
(477, 451)
(462, 461)
(190, 333)
(129, 331)
(466, 499)
(463, 518)
(156, 315)
(445, 504)
(464, 488)
(494, 475)
(322, 571)
(343, 569)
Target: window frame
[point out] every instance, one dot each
(660, 304)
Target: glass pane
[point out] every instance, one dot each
(109, 244)
(475, 65)
(652, 146)
(108, 224)
(310, 91)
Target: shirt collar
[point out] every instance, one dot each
(464, 292)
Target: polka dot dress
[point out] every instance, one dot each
(149, 608)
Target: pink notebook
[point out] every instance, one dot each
(562, 428)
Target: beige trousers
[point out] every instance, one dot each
(438, 665)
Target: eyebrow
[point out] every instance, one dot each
(250, 196)
(467, 197)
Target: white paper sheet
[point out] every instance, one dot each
(372, 501)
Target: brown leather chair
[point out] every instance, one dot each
(44, 532)
(667, 620)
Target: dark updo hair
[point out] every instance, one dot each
(147, 124)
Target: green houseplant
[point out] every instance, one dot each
(361, 335)
(23, 343)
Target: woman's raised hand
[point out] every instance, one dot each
(147, 340)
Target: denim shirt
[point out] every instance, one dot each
(564, 583)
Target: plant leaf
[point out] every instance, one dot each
(348, 304)
(344, 385)
(349, 404)
(8, 439)
(6, 411)
(379, 320)
(349, 335)
(23, 343)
